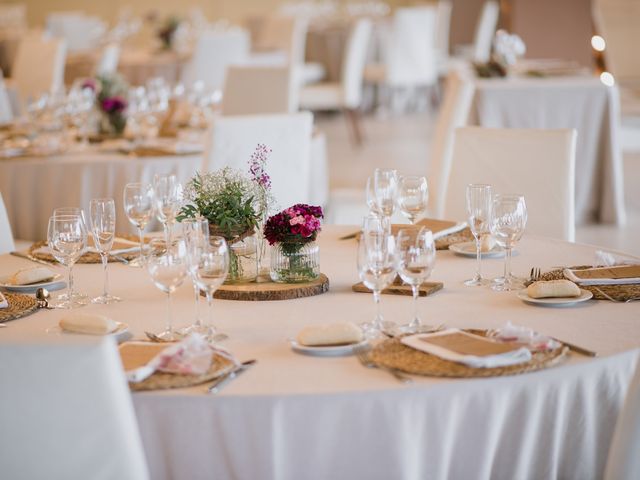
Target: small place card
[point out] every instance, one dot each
(623, 274)
(467, 344)
(137, 354)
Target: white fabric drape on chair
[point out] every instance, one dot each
(256, 90)
(6, 235)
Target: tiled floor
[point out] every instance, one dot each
(403, 142)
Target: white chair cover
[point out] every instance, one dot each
(354, 61)
(485, 30)
(540, 164)
(279, 32)
(623, 462)
(6, 236)
(289, 136)
(66, 410)
(215, 50)
(108, 61)
(257, 90)
(80, 31)
(443, 26)
(6, 112)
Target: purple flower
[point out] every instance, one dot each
(257, 163)
(115, 104)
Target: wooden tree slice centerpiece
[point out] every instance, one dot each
(273, 291)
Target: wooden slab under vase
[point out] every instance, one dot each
(266, 291)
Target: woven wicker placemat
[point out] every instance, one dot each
(394, 354)
(19, 306)
(88, 257)
(620, 293)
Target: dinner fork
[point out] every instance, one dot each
(362, 352)
(534, 276)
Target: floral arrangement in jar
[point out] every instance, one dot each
(167, 31)
(110, 93)
(264, 199)
(292, 233)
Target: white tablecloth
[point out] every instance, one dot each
(583, 103)
(294, 416)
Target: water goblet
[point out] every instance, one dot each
(509, 218)
(102, 212)
(138, 207)
(479, 202)
(78, 297)
(167, 194)
(385, 190)
(413, 195)
(67, 240)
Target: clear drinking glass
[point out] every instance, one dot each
(385, 190)
(195, 232)
(376, 266)
(138, 207)
(78, 298)
(167, 266)
(102, 212)
(413, 196)
(67, 239)
(508, 221)
(479, 202)
(167, 194)
(210, 272)
(415, 259)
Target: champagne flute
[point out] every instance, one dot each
(479, 202)
(195, 232)
(67, 239)
(138, 207)
(385, 190)
(167, 194)
(415, 259)
(413, 195)
(167, 266)
(103, 227)
(210, 272)
(79, 298)
(507, 226)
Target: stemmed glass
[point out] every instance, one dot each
(103, 227)
(78, 298)
(195, 232)
(138, 207)
(413, 195)
(210, 272)
(67, 239)
(415, 259)
(167, 266)
(508, 221)
(376, 265)
(385, 191)
(167, 194)
(479, 201)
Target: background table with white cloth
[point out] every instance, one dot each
(583, 103)
(293, 416)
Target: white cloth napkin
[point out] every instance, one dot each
(514, 357)
(3, 301)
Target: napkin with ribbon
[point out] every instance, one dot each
(191, 356)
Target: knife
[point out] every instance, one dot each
(226, 378)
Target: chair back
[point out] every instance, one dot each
(108, 61)
(215, 50)
(280, 32)
(539, 164)
(289, 136)
(6, 112)
(354, 62)
(443, 27)
(485, 30)
(39, 66)
(67, 406)
(79, 31)
(6, 236)
(250, 90)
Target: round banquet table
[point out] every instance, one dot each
(293, 416)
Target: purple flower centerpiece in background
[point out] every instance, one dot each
(292, 233)
(111, 101)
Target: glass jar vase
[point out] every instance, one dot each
(295, 262)
(243, 266)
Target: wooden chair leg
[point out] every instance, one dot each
(353, 118)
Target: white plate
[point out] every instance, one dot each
(326, 351)
(121, 329)
(468, 249)
(555, 302)
(52, 285)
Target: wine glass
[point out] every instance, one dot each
(415, 259)
(138, 207)
(79, 298)
(167, 194)
(507, 226)
(167, 266)
(376, 266)
(210, 271)
(102, 212)
(479, 202)
(413, 195)
(195, 231)
(67, 239)
(385, 191)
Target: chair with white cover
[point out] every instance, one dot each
(288, 135)
(623, 462)
(345, 95)
(215, 50)
(539, 164)
(250, 90)
(80, 31)
(443, 27)
(485, 30)
(6, 112)
(6, 236)
(66, 410)
(108, 62)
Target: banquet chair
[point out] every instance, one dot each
(108, 61)
(623, 462)
(79, 31)
(480, 49)
(6, 112)
(66, 411)
(539, 164)
(215, 50)
(443, 27)
(257, 90)
(6, 236)
(346, 94)
(234, 138)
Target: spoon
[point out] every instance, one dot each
(43, 295)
